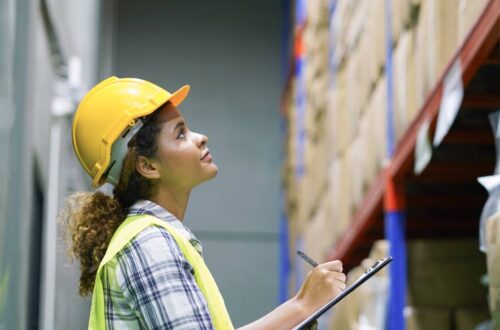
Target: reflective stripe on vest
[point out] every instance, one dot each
(123, 235)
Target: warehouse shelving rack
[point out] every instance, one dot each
(445, 200)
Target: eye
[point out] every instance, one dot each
(181, 134)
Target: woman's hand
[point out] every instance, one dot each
(322, 284)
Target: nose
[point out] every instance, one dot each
(201, 140)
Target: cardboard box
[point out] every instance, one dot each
(346, 314)
(316, 68)
(319, 235)
(317, 12)
(378, 25)
(421, 58)
(313, 240)
(355, 89)
(356, 25)
(329, 227)
(355, 162)
(442, 37)
(469, 12)
(400, 16)
(469, 318)
(339, 187)
(316, 172)
(365, 308)
(366, 74)
(404, 84)
(373, 299)
(425, 318)
(339, 23)
(369, 167)
(493, 262)
(446, 273)
(377, 113)
(379, 250)
(338, 126)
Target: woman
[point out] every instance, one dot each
(144, 267)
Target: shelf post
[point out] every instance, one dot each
(394, 206)
(395, 225)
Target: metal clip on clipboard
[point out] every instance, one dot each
(363, 278)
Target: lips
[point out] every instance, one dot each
(206, 156)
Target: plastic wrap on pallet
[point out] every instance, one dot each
(492, 206)
(494, 118)
(423, 148)
(453, 93)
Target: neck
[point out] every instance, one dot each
(174, 202)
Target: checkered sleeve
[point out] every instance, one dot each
(158, 283)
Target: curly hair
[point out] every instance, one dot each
(93, 217)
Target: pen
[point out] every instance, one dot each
(307, 258)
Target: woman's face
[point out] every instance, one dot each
(182, 157)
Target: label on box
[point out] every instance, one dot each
(423, 148)
(453, 93)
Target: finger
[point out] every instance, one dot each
(340, 276)
(338, 279)
(341, 285)
(335, 265)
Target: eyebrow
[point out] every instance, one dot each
(179, 124)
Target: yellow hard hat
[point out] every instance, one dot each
(108, 117)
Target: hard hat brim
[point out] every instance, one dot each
(179, 95)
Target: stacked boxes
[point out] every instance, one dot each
(346, 91)
(468, 14)
(444, 286)
(493, 261)
(365, 307)
(441, 19)
(451, 276)
(317, 80)
(405, 103)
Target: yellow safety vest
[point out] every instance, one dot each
(124, 234)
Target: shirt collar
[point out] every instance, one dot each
(151, 208)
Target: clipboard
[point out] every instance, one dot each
(363, 278)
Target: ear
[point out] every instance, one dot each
(147, 168)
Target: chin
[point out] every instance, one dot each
(213, 172)
(209, 172)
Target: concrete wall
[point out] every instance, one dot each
(38, 285)
(229, 51)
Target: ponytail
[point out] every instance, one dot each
(92, 220)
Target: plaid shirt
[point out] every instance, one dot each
(150, 284)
